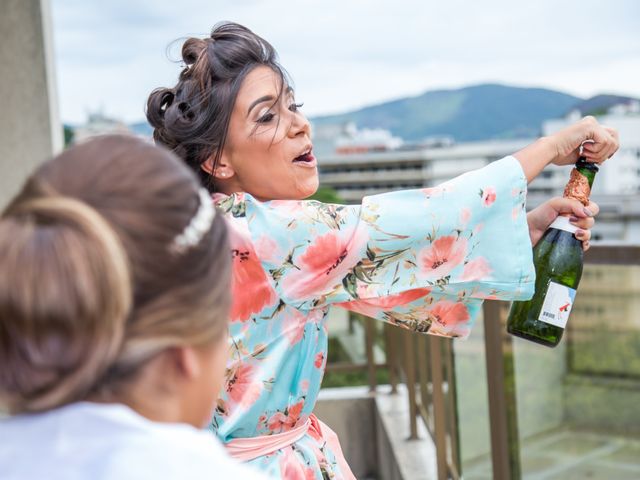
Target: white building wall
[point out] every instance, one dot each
(620, 174)
(30, 130)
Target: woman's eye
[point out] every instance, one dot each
(294, 107)
(266, 118)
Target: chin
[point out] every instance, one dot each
(306, 193)
(304, 190)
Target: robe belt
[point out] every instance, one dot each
(250, 448)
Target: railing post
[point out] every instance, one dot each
(439, 409)
(505, 450)
(452, 408)
(391, 352)
(369, 338)
(424, 374)
(410, 373)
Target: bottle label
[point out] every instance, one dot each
(563, 223)
(557, 304)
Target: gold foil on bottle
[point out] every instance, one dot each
(578, 187)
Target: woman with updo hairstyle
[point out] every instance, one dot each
(114, 306)
(421, 259)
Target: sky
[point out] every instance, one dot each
(345, 54)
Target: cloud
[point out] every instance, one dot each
(344, 54)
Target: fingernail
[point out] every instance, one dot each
(580, 233)
(588, 212)
(573, 219)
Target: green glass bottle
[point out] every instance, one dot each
(558, 260)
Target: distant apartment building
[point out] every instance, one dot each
(99, 124)
(356, 168)
(617, 185)
(622, 174)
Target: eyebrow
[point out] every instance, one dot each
(266, 98)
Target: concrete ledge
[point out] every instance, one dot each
(374, 431)
(401, 458)
(350, 412)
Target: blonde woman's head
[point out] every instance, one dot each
(92, 288)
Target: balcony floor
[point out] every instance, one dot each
(572, 455)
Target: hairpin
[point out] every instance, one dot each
(199, 225)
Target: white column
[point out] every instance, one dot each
(30, 129)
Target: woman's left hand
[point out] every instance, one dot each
(542, 216)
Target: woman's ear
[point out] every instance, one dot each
(223, 170)
(185, 362)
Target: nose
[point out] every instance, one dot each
(299, 125)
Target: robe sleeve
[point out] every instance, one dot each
(423, 259)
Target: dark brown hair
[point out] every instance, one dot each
(192, 118)
(89, 286)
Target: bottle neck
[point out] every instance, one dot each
(581, 181)
(589, 173)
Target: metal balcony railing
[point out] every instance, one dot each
(426, 364)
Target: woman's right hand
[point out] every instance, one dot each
(601, 142)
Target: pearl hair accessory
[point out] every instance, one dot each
(199, 225)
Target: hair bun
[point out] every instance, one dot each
(192, 49)
(74, 290)
(158, 103)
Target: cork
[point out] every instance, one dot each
(578, 187)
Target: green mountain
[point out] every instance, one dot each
(473, 113)
(478, 112)
(599, 104)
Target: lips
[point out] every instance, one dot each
(306, 158)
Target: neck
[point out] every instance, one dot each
(148, 394)
(230, 191)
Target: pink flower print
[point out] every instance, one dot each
(324, 263)
(449, 314)
(515, 213)
(292, 468)
(465, 215)
(488, 195)
(476, 269)
(276, 422)
(250, 287)
(293, 325)
(304, 386)
(319, 360)
(432, 191)
(371, 307)
(279, 422)
(295, 410)
(289, 208)
(266, 249)
(442, 256)
(242, 386)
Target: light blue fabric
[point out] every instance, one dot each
(422, 259)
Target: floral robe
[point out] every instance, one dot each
(421, 259)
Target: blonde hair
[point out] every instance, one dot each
(89, 287)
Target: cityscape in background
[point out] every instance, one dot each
(354, 162)
(493, 406)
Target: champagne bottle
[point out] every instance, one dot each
(558, 260)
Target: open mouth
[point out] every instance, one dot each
(306, 157)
